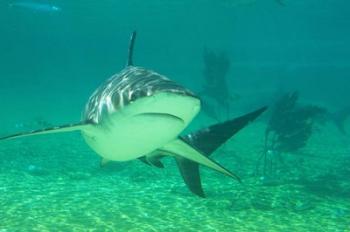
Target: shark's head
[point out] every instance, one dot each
(136, 84)
(136, 112)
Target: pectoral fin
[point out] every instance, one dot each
(180, 148)
(57, 129)
(153, 160)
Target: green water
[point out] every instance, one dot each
(51, 62)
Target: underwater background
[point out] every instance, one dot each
(52, 60)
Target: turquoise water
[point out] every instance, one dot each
(51, 62)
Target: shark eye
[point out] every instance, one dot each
(137, 93)
(132, 98)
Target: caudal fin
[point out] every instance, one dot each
(211, 138)
(206, 141)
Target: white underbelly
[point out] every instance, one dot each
(142, 127)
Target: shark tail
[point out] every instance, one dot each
(206, 141)
(50, 130)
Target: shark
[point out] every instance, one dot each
(216, 91)
(141, 114)
(39, 7)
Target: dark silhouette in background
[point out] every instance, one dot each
(216, 94)
(340, 117)
(288, 130)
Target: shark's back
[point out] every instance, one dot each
(129, 85)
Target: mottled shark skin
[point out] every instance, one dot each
(140, 114)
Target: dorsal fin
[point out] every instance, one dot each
(131, 49)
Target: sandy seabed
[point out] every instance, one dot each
(54, 183)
